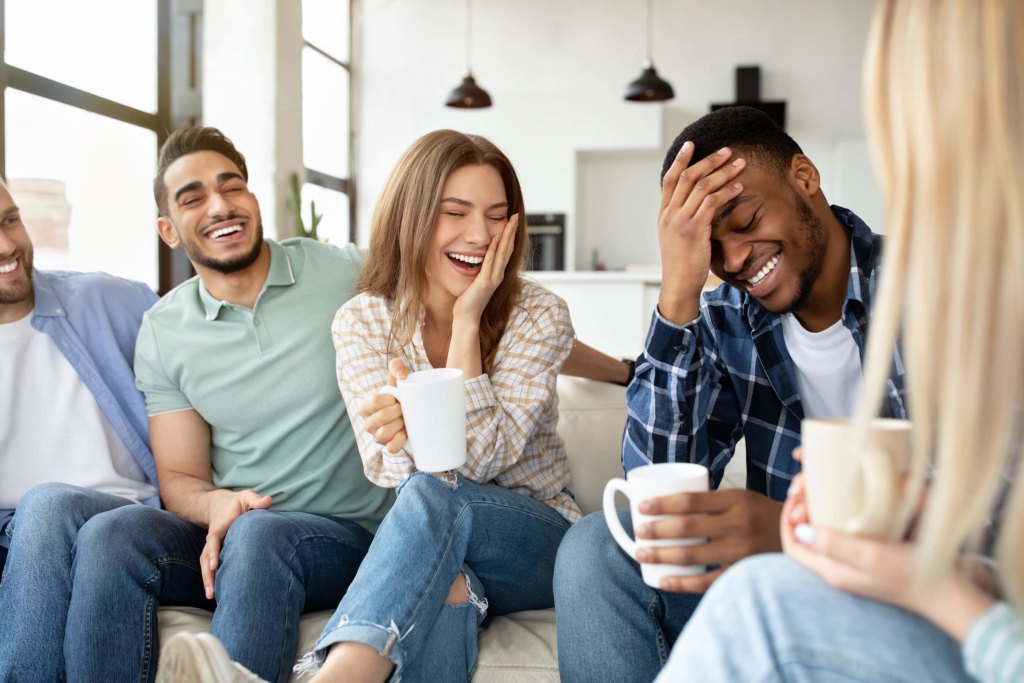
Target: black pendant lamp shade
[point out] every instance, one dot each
(649, 87)
(468, 95)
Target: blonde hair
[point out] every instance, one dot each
(944, 97)
(403, 226)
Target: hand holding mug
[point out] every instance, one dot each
(431, 405)
(382, 413)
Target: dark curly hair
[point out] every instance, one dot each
(745, 129)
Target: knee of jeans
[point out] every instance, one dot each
(256, 533)
(46, 509)
(45, 499)
(425, 494)
(771, 574)
(473, 594)
(117, 530)
(583, 557)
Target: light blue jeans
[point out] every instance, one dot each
(83, 596)
(504, 542)
(611, 625)
(36, 588)
(768, 619)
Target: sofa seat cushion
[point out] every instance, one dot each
(514, 648)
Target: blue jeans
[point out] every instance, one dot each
(274, 566)
(611, 625)
(127, 561)
(36, 587)
(768, 619)
(504, 542)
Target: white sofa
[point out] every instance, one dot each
(519, 647)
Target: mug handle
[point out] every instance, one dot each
(611, 516)
(880, 493)
(393, 391)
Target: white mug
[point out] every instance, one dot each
(858, 492)
(434, 411)
(652, 481)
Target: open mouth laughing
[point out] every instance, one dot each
(467, 264)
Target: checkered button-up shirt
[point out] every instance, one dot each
(701, 387)
(511, 413)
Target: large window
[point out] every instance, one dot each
(84, 108)
(326, 98)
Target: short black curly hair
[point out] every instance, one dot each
(744, 129)
(188, 140)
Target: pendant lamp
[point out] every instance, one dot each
(649, 87)
(468, 95)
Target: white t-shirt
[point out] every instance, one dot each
(828, 371)
(52, 428)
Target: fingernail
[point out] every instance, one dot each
(642, 555)
(791, 490)
(722, 152)
(738, 162)
(645, 507)
(685, 148)
(805, 533)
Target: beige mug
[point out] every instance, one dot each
(856, 491)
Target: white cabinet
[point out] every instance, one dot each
(610, 310)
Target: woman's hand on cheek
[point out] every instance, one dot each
(471, 304)
(382, 413)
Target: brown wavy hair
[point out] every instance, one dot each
(402, 231)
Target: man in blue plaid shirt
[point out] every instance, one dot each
(781, 340)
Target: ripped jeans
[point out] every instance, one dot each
(504, 542)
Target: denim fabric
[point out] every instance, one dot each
(437, 529)
(109, 574)
(274, 566)
(768, 619)
(37, 587)
(611, 625)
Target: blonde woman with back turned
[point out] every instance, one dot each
(944, 87)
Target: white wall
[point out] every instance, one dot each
(556, 70)
(252, 90)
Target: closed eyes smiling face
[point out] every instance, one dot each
(472, 212)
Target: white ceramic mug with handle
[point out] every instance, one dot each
(434, 411)
(652, 481)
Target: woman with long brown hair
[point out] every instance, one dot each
(944, 87)
(442, 289)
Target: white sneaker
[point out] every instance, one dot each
(200, 658)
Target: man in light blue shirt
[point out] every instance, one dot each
(74, 442)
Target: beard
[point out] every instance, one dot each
(229, 265)
(813, 241)
(21, 289)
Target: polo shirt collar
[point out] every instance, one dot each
(280, 274)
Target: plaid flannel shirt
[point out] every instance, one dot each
(701, 387)
(511, 413)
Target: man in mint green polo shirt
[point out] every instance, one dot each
(269, 513)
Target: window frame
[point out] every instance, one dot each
(158, 122)
(325, 180)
